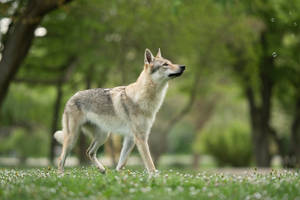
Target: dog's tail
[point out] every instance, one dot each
(59, 136)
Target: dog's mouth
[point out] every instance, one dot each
(175, 74)
(182, 68)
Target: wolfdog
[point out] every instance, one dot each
(127, 110)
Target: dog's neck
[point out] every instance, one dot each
(145, 92)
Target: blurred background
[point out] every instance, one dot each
(237, 104)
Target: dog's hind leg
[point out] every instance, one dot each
(128, 145)
(99, 139)
(71, 125)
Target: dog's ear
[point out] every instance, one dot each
(158, 55)
(148, 56)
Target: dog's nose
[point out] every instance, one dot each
(182, 67)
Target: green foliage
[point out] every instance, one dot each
(24, 143)
(88, 184)
(181, 138)
(26, 106)
(230, 146)
(27, 113)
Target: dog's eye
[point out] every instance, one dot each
(165, 64)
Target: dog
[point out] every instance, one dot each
(126, 110)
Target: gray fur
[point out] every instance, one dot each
(95, 100)
(156, 66)
(123, 101)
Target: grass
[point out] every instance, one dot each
(88, 183)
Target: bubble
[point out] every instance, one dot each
(40, 32)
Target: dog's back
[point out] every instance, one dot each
(97, 100)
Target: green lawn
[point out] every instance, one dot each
(87, 183)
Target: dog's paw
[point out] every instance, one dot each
(118, 169)
(154, 174)
(60, 170)
(60, 173)
(102, 171)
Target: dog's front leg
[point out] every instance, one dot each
(142, 145)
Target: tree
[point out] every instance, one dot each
(258, 66)
(20, 36)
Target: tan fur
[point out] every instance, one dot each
(127, 110)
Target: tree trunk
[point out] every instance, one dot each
(266, 91)
(295, 134)
(16, 47)
(261, 145)
(55, 118)
(259, 129)
(82, 137)
(68, 67)
(83, 159)
(19, 40)
(260, 113)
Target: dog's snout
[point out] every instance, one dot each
(182, 67)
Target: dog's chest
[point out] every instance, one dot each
(109, 123)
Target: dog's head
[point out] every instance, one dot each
(160, 68)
